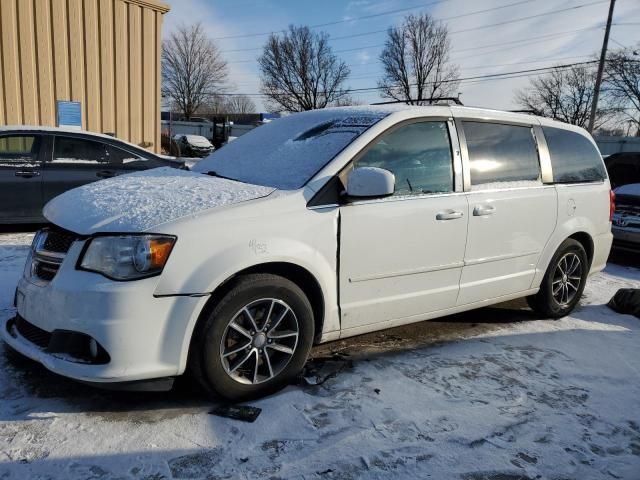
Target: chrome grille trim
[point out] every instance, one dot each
(49, 249)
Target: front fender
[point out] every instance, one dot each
(208, 254)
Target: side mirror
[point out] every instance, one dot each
(370, 182)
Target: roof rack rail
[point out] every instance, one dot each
(530, 112)
(431, 101)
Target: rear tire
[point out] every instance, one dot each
(563, 282)
(255, 340)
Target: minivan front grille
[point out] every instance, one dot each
(49, 249)
(58, 241)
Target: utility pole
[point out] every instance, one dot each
(603, 58)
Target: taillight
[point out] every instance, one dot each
(612, 204)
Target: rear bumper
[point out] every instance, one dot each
(601, 249)
(626, 238)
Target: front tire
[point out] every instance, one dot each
(563, 282)
(255, 340)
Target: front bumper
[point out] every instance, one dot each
(146, 337)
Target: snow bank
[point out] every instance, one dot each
(142, 200)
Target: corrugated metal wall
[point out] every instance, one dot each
(102, 53)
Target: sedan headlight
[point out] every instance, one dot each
(127, 257)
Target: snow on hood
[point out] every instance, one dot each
(141, 201)
(630, 189)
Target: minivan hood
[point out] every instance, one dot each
(141, 201)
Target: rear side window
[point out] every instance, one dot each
(418, 154)
(500, 154)
(573, 157)
(19, 150)
(76, 151)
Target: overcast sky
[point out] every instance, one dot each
(479, 46)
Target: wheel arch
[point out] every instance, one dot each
(299, 275)
(578, 234)
(586, 241)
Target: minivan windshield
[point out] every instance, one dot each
(287, 152)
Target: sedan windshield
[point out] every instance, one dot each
(286, 153)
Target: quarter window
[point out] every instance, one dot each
(118, 156)
(573, 157)
(500, 154)
(19, 150)
(418, 154)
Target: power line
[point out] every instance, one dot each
(366, 77)
(337, 22)
(523, 41)
(506, 22)
(476, 77)
(477, 12)
(354, 35)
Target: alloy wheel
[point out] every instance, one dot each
(567, 279)
(259, 341)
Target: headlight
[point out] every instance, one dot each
(127, 257)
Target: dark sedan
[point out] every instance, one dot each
(37, 164)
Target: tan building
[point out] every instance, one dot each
(104, 54)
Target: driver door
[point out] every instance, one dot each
(401, 257)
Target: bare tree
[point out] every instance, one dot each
(566, 94)
(416, 62)
(347, 101)
(192, 68)
(240, 104)
(300, 72)
(622, 81)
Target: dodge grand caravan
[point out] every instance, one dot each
(317, 226)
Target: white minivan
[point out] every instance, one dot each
(317, 226)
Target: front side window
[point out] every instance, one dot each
(71, 150)
(19, 150)
(501, 154)
(573, 157)
(418, 154)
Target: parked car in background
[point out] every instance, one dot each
(317, 226)
(624, 175)
(623, 168)
(626, 219)
(39, 163)
(193, 145)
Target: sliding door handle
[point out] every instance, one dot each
(482, 210)
(449, 215)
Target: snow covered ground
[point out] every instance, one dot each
(492, 394)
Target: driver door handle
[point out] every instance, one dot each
(482, 210)
(27, 173)
(449, 215)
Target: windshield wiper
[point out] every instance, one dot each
(212, 173)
